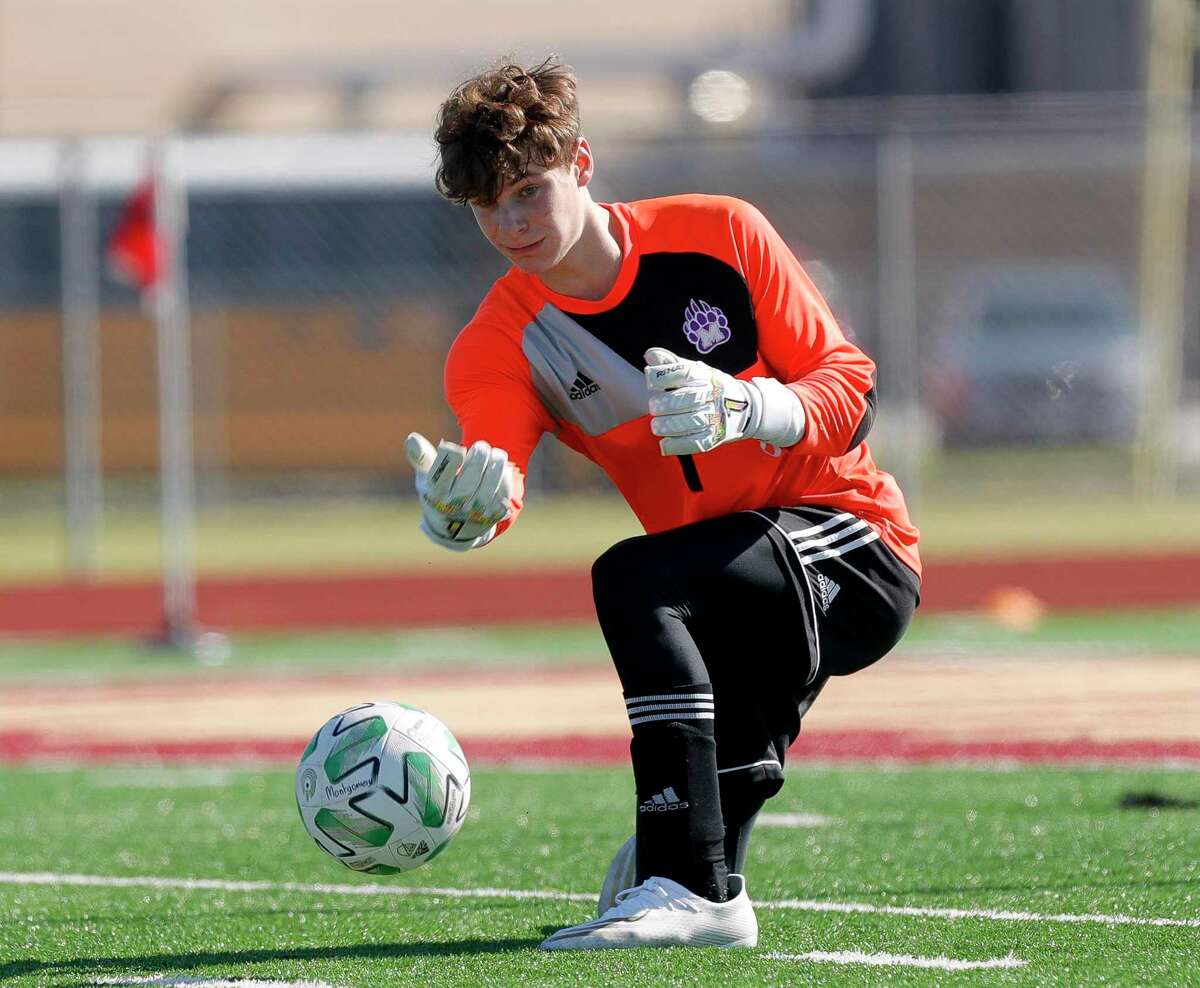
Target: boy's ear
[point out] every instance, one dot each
(585, 164)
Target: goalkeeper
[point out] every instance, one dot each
(677, 343)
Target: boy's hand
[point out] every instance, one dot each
(464, 493)
(696, 408)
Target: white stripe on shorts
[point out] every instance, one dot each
(830, 553)
(739, 768)
(804, 544)
(812, 602)
(827, 524)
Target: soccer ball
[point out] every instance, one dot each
(382, 787)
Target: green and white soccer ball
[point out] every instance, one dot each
(383, 787)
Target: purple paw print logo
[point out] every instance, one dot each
(705, 326)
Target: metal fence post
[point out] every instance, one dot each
(82, 480)
(898, 354)
(1166, 173)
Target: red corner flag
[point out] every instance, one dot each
(134, 252)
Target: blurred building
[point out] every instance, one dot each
(71, 68)
(135, 65)
(952, 47)
(908, 150)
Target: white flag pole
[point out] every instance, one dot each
(176, 466)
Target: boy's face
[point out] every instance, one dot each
(539, 217)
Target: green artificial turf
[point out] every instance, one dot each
(1042, 841)
(1128, 633)
(362, 535)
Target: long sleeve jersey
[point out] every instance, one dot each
(706, 277)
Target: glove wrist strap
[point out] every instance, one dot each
(457, 545)
(780, 413)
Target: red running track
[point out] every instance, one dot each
(854, 746)
(406, 599)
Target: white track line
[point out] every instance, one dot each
(803, 905)
(897, 960)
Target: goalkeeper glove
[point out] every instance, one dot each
(696, 408)
(464, 493)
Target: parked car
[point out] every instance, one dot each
(1036, 353)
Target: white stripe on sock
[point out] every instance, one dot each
(642, 708)
(667, 696)
(633, 721)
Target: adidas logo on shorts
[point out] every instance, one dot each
(826, 590)
(662, 802)
(583, 387)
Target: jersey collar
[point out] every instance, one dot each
(625, 276)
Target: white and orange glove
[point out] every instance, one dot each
(696, 408)
(464, 493)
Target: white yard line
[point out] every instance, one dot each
(224, 885)
(803, 905)
(1004, 915)
(183, 777)
(163, 979)
(897, 960)
(797, 820)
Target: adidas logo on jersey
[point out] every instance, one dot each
(826, 590)
(583, 387)
(662, 802)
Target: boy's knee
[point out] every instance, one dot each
(624, 573)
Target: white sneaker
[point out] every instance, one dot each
(662, 913)
(621, 875)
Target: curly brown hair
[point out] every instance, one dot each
(493, 126)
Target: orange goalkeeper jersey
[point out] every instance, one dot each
(707, 277)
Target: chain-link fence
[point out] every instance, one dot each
(987, 256)
(988, 261)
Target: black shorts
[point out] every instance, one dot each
(852, 602)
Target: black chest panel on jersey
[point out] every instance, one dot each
(588, 370)
(668, 287)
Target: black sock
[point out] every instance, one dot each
(680, 834)
(740, 806)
